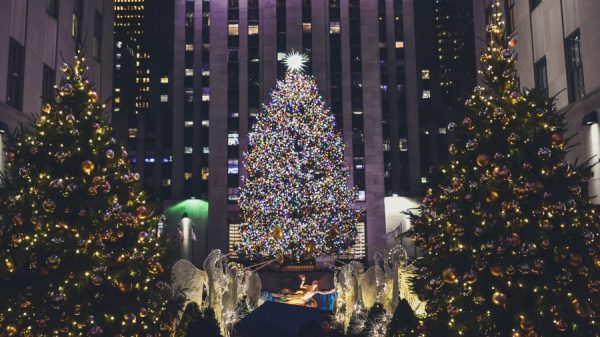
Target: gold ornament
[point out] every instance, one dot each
(512, 43)
(310, 249)
(110, 154)
(449, 275)
(93, 96)
(64, 67)
(470, 277)
(156, 268)
(142, 212)
(492, 197)
(143, 236)
(278, 233)
(499, 298)
(87, 166)
(496, 271)
(525, 323)
(47, 108)
(560, 325)
(482, 160)
(49, 206)
(597, 261)
(97, 280)
(143, 312)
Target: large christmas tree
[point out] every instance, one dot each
(80, 255)
(509, 235)
(295, 201)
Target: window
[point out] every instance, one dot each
(204, 173)
(233, 29)
(425, 74)
(399, 44)
(306, 27)
(189, 72)
(426, 94)
(232, 166)
(334, 27)
(97, 45)
(189, 47)
(188, 124)
(574, 67)
(187, 176)
(541, 76)
(52, 8)
(534, 3)
(232, 139)
(252, 29)
(48, 78)
(164, 98)
(14, 85)
(188, 150)
(164, 80)
(510, 9)
(77, 18)
(132, 133)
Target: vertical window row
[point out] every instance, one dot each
(307, 32)
(385, 98)
(400, 144)
(253, 62)
(233, 102)
(280, 14)
(15, 74)
(574, 66)
(335, 62)
(204, 151)
(188, 101)
(356, 95)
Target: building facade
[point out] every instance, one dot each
(36, 37)
(558, 45)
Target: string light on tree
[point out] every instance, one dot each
(295, 199)
(509, 235)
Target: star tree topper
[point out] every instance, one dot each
(295, 61)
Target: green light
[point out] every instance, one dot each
(195, 208)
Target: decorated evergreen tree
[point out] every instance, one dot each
(509, 235)
(80, 253)
(295, 201)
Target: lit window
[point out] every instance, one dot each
(361, 196)
(189, 47)
(205, 123)
(252, 29)
(164, 98)
(166, 182)
(188, 124)
(205, 150)
(280, 56)
(403, 144)
(306, 27)
(424, 180)
(118, 66)
(189, 72)
(426, 94)
(187, 175)
(232, 139)
(188, 150)
(204, 173)
(232, 166)
(233, 193)
(357, 112)
(132, 133)
(205, 94)
(442, 131)
(233, 29)
(164, 80)
(425, 74)
(399, 44)
(334, 27)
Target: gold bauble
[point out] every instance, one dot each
(64, 67)
(512, 43)
(482, 160)
(496, 271)
(499, 298)
(47, 108)
(87, 166)
(558, 139)
(492, 197)
(449, 275)
(142, 212)
(53, 261)
(560, 325)
(525, 323)
(278, 233)
(597, 261)
(10, 266)
(310, 249)
(97, 280)
(155, 268)
(110, 154)
(143, 312)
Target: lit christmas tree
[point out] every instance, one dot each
(296, 203)
(80, 254)
(509, 235)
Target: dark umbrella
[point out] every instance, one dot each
(277, 320)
